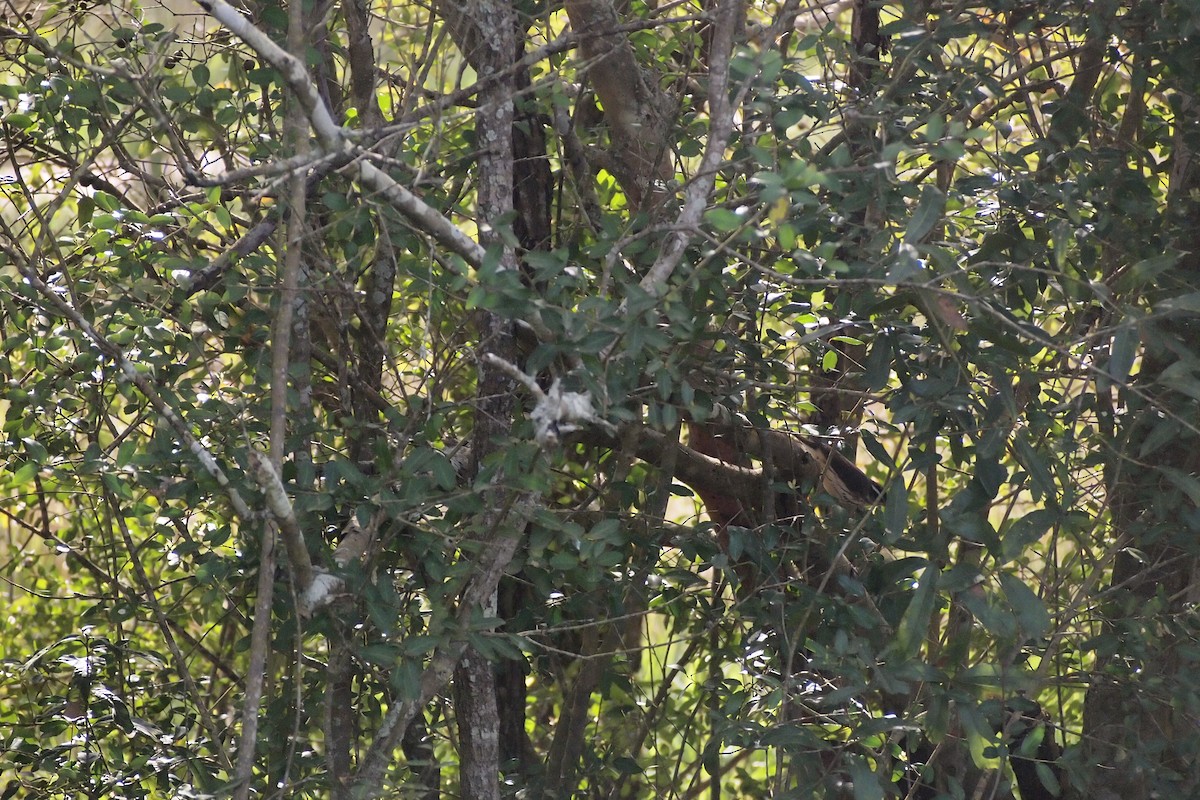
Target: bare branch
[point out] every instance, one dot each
(281, 509)
(720, 129)
(250, 241)
(427, 218)
(130, 372)
(333, 138)
(266, 473)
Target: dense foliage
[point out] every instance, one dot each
(408, 401)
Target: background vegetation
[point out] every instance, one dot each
(465, 400)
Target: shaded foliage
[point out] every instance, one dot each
(594, 309)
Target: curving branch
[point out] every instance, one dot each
(333, 138)
(794, 459)
(637, 111)
(720, 114)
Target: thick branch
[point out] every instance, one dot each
(361, 59)
(794, 459)
(485, 30)
(636, 110)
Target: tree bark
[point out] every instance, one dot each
(478, 727)
(485, 31)
(638, 113)
(1154, 581)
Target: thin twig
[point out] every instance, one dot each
(164, 626)
(130, 372)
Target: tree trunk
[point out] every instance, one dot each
(485, 31)
(478, 727)
(1140, 664)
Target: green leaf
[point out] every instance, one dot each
(878, 365)
(991, 475)
(1164, 431)
(724, 220)
(1189, 303)
(1039, 473)
(383, 655)
(926, 215)
(1146, 271)
(19, 120)
(624, 765)
(1031, 741)
(1046, 775)
(606, 530)
(107, 202)
(979, 734)
(406, 679)
(895, 510)
(1184, 481)
(1025, 531)
(1030, 611)
(972, 526)
(1181, 376)
(1122, 355)
(866, 782)
(910, 633)
(418, 645)
(997, 621)
(877, 451)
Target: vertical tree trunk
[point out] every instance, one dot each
(1154, 581)
(478, 727)
(833, 410)
(485, 31)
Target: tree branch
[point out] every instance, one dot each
(333, 138)
(267, 472)
(794, 459)
(129, 372)
(636, 110)
(720, 114)
(281, 509)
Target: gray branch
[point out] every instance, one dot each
(333, 138)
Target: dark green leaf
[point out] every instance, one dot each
(910, 633)
(1030, 611)
(926, 215)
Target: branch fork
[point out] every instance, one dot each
(556, 412)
